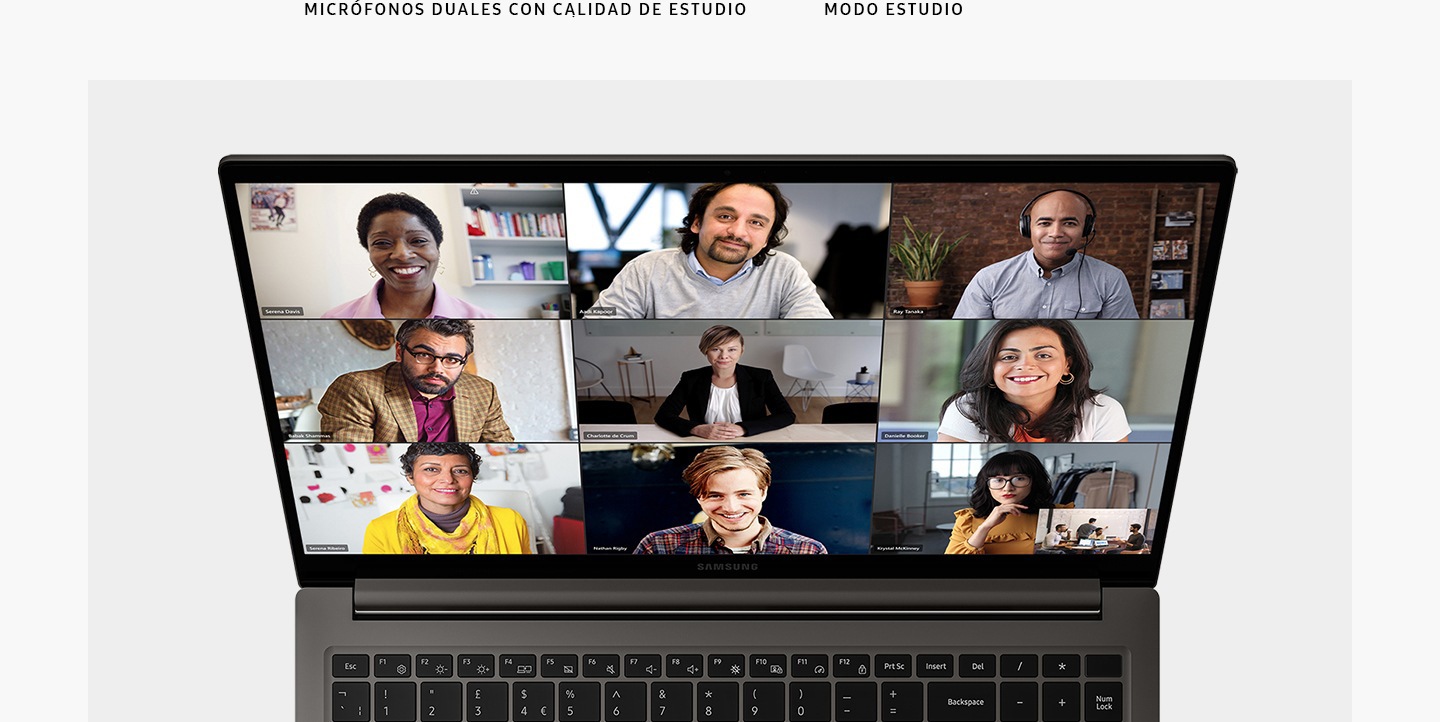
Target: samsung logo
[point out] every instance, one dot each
(730, 567)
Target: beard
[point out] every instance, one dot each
(433, 384)
(726, 254)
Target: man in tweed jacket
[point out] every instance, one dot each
(424, 395)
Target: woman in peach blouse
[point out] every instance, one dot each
(1010, 490)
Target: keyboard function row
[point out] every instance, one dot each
(724, 666)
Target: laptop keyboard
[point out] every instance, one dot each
(1016, 686)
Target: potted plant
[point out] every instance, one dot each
(864, 376)
(921, 255)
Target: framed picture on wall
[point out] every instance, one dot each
(272, 207)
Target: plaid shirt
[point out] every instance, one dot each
(702, 539)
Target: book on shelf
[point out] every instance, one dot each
(1167, 308)
(1179, 219)
(507, 224)
(1167, 280)
(1170, 250)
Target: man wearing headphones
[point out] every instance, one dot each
(1055, 277)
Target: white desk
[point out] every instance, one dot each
(835, 433)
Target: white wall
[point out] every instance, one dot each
(674, 355)
(816, 209)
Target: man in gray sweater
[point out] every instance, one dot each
(726, 265)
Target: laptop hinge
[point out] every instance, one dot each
(684, 598)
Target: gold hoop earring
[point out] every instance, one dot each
(374, 273)
(1067, 379)
(993, 386)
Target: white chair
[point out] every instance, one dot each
(308, 420)
(799, 364)
(588, 376)
(309, 417)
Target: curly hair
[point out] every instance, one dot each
(995, 416)
(1010, 463)
(439, 448)
(397, 202)
(700, 202)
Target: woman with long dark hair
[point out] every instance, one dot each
(1010, 490)
(1029, 380)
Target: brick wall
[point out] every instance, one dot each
(990, 214)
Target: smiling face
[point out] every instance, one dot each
(442, 482)
(403, 251)
(1029, 365)
(430, 379)
(732, 500)
(1057, 225)
(735, 227)
(725, 355)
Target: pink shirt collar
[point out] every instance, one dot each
(444, 306)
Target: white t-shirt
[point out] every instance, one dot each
(1101, 420)
(1052, 539)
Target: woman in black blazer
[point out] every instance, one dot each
(725, 400)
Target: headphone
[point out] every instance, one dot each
(1089, 233)
(1089, 217)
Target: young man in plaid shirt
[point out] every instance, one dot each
(730, 485)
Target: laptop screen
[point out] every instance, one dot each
(567, 364)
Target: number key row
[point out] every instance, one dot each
(727, 702)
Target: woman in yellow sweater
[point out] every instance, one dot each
(442, 517)
(1010, 490)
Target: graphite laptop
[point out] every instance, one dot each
(726, 439)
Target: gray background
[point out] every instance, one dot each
(1263, 444)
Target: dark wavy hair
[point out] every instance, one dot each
(447, 327)
(397, 202)
(439, 448)
(995, 415)
(700, 202)
(1010, 463)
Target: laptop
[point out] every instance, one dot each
(726, 439)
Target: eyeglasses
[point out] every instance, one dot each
(424, 358)
(1019, 481)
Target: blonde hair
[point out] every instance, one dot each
(716, 335)
(720, 459)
